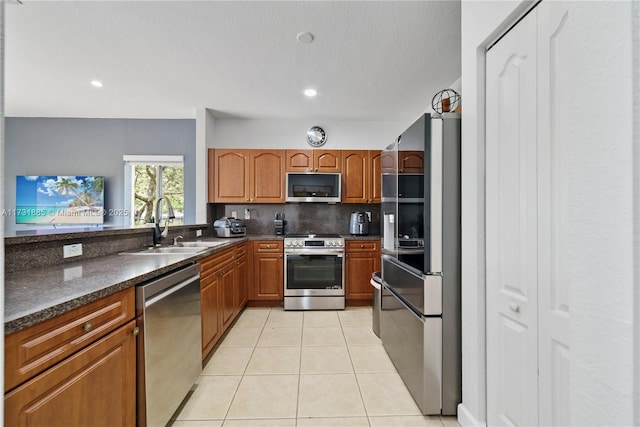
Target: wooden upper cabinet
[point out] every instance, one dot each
(354, 176)
(410, 161)
(375, 176)
(229, 175)
(361, 171)
(267, 176)
(387, 162)
(246, 176)
(327, 160)
(314, 161)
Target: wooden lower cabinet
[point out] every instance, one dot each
(223, 292)
(94, 387)
(268, 270)
(362, 258)
(241, 276)
(210, 312)
(227, 284)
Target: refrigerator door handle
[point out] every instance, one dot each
(436, 178)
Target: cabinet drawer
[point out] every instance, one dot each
(214, 262)
(268, 246)
(362, 245)
(32, 350)
(241, 250)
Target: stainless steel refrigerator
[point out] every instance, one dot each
(420, 304)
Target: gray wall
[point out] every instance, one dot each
(51, 146)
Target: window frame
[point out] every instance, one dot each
(130, 161)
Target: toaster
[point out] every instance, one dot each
(230, 227)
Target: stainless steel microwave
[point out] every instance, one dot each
(316, 187)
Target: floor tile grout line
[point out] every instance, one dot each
(245, 368)
(354, 373)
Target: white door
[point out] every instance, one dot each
(511, 226)
(553, 282)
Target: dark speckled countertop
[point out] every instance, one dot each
(35, 295)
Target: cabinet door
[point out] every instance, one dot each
(240, 289)
(227, 285)
(299, 160)
(411, 161)
(327, 160)
(94, 387)
(229, 176)
(358, 270)
(268, 279)
(354, 176)
(210, 309)
(267, 176)
(375, 174)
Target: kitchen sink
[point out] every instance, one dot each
(167, 250)
(202, 244)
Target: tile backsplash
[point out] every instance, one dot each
(301, 217)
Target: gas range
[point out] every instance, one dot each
(313, 241)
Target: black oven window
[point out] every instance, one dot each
(314, 272)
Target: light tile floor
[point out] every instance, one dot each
(304, 369)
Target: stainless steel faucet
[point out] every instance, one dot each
(175, 240)
(158, 235)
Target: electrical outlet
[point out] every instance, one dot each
(247, 214)
(368, 215)
(69, 251)
(234, 214)
(198, 233)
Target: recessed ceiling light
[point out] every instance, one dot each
(310, 92)
(305, 37)
(96, 83)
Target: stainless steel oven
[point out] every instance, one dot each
(314, 272)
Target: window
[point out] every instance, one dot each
(147, 179)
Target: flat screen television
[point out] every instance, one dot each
(59, 199)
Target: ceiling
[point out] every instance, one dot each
(164, 59)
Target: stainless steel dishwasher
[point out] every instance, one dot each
(170, 343)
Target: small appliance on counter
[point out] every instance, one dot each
(279, 223)
(359, 224)
(229, 227)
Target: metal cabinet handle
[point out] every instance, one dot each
(279, 256)
(268, 246)
(135, 331)
(362, 246)
(246, 200)
(87, 326)
(514, 307)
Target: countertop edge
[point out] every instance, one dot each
(39, 315)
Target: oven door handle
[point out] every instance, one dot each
(336, 252)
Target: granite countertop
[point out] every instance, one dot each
(35, 295)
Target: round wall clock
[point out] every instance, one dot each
(316, 136)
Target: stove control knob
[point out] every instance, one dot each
(332, 243)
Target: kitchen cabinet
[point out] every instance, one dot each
(411, 161)
(212, 296)
(361, 176)
(362, 258)
(268, 270)
(246, 176)
(78, 368)
(240, 295)
(229, 175)
(267, 176)
(223, 295)
(314, 161)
